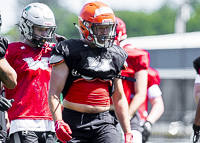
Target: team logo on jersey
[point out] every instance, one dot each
(22, 47)
(96, 65)
(34, 65)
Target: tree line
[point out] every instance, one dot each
(158, 22)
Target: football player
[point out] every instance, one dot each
(154, 96)
(138, 63)
(30, 117)
(84, 70)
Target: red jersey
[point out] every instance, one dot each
(153, 79)
(138, 59)
(94, 92)
(33, 77)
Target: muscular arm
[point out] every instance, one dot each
(197, 92)
(156, 110)
(7, 74)
(121, 106)
(58, 77)
(197, 116)
(140, 87)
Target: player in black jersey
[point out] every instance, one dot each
(84, 70)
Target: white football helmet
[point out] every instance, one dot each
(38, 15)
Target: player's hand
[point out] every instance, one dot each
(62, 131)
(128, 137)
(5, 104)
(3, 44)
(146, 131)
(196, 133)
(59, 38)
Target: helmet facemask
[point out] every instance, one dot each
(103, 40)
(100, 40)
(27, 30)
(41, 40)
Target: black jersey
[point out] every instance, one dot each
(86, 62)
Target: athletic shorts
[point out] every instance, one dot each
(33, 137)
(91, 128)
(135, 121)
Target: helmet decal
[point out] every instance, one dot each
(28, 8)
(103, 10)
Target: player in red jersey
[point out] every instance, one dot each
(84, 70)
(138, 62)
(154, 97)
(30, 117)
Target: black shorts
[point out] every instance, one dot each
(135, 121)
(91, 128)
(33, 137)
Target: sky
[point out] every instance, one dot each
(9, 10)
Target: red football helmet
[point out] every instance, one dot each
(120, 31)
(95, 15)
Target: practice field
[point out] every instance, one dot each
(176, 132)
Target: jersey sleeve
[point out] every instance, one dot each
(58, 53)
(196, 64)
(153, 83)
(197, 79)
(153, 77)
(138, 62)
(143, 62)
(154, 91)
(138, 59)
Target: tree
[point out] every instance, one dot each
(194, 23)
(144, 24)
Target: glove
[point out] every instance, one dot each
(146, 131)
(3, 46)
(5, 104)
(128, 137)
(196, 133)
(62, 131)
(59, 38)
